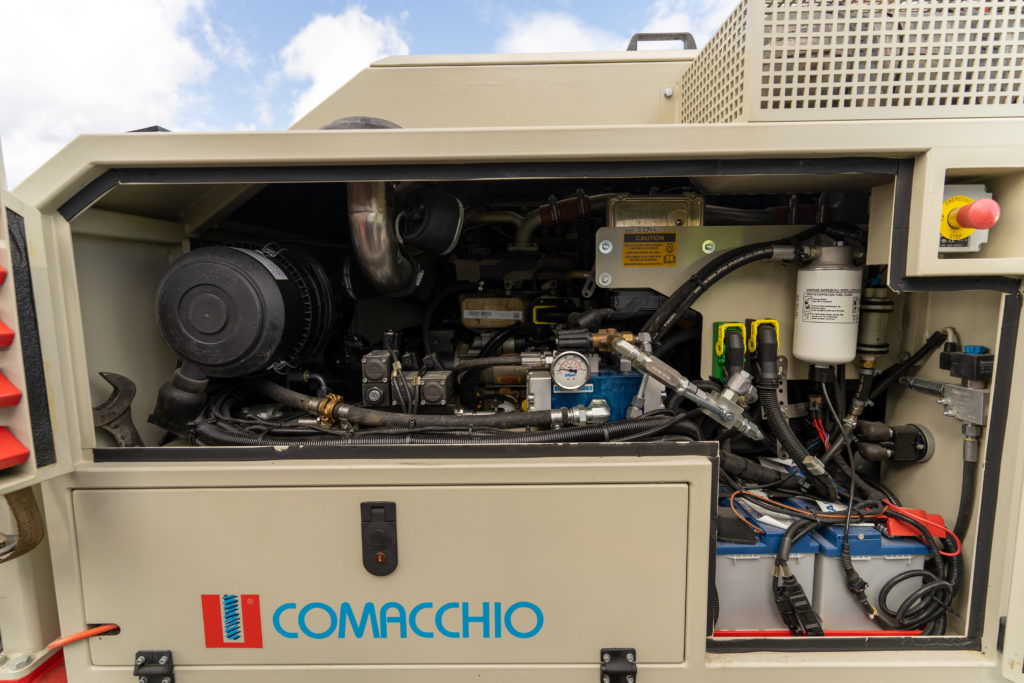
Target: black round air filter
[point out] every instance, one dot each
(234, 311)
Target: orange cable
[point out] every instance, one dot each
(82, 635)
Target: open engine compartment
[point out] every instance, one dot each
(639, 308)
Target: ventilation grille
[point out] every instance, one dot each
(794, 60)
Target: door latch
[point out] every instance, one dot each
(380, 537)
(618, 665)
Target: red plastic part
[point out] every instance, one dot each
(895, 528)
(6, 334)
(9, 394)
(51, 671)
(3, 274)
(834, 634)
(980, 215)
(12, 451)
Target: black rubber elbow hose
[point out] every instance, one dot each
(767, 394)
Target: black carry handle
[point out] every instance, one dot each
(688, 42)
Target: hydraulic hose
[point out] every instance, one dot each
(767, 393)
(749, 470)
(688, 293)
(212, 434)
(489, 361)
(893, 373)
(970, 476)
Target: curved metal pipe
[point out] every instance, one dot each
(377, 250)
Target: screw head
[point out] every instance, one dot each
(374, 395)
(604, 279)
(3, 659)
(140, 660)
(606, 657)
(165, 679)
(605, 247)
(143, 679)
(629, 679)
(630, 657)
(606, 679)
(162, 660)
(708, 247)
(668, 93)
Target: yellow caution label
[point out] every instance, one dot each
(649, 249)
(949, 228)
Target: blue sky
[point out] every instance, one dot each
(114, 65)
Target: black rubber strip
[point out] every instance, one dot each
(31, 352)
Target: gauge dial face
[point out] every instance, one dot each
(570, 370)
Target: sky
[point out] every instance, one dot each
(105, 66)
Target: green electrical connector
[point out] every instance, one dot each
(719, 333)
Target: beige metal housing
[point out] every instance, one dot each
(614, 544)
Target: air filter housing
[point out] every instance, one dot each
(234, 311)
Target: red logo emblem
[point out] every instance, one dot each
(232, 620)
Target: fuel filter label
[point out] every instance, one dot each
(820, 305)
(649, 249)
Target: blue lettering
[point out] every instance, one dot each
(345, 614)
(412, 620)
(277, 620)
(440, 615)
(398, 618)
(484, 620)
(497, 620)
(524, 634)
(330, 613)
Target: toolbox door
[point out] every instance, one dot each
(30, 382)
(1013, 644)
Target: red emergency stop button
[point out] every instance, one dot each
(6, 335)
(9, 394)
(12, 451)
(979, 215)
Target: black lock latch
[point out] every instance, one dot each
(154, 666)
(380, 537)
(618, 665)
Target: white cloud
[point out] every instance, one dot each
(72, 67)
(331, 49)
(699, 17)
(557, 32)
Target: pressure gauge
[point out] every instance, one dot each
(570, 370)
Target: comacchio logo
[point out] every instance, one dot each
(232, 621)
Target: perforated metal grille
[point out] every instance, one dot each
(834, 59)
(714, 84)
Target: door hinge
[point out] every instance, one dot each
(618, 665)
(154, 666)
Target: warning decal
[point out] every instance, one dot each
(829, 306)
(649, 249)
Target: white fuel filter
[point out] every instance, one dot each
(828, 293)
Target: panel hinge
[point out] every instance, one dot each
(618, 665)
(154, 666)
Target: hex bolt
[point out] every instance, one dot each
(630, 657)
(162, 660)
(3, 659)
(606, 679)
(708, 247)
(21, 662)
(629, 679)
(165, 679)
(140, 660)
(668, 93)
(374, 395)
(605, 247)
(143, 679)
(606, 657)
(604, 280)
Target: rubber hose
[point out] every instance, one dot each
(779, 426)
(380, 418)
(967, 486)
(489, 362)
(211, 434)
(894, 372)
(751, 471)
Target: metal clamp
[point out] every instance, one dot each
(154, 666)
(618, 665)
(325, 411)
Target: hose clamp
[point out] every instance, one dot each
(325, 411)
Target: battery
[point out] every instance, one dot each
(743, 579)
(876, 557)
